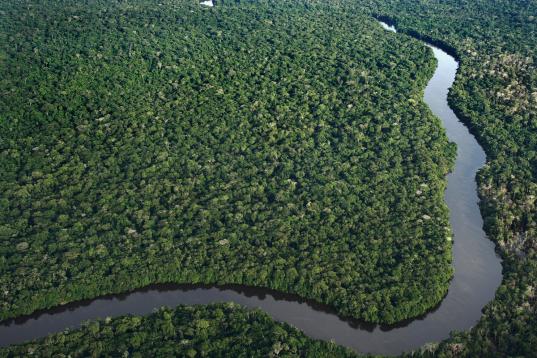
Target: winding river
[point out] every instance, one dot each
(477, 269)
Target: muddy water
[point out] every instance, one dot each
(477, 269)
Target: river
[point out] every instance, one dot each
(477, 269)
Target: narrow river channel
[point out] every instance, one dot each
(477, 270)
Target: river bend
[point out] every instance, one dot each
(477, 269)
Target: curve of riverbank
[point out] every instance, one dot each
(477, 269)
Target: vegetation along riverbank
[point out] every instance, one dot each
(150, 142)
(274, 144)
(495, 93)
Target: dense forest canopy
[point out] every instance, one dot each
(281, 144)
(496, 95)
(262, 143)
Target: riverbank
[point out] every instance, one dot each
(477, 270)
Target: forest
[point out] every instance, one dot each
(281, 145)
(276, 144)
(219, 330)
(495, 93)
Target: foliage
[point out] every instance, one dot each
(220, 330)
(495, 93)
(282, 145)
(114, 113)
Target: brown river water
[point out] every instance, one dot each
(477, 275)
